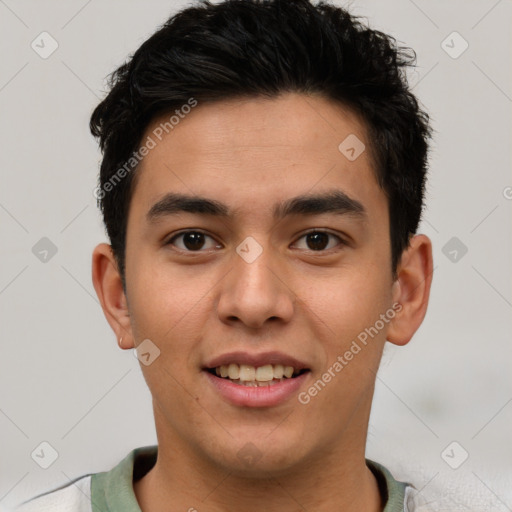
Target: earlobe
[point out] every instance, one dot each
(108, 285)
(411, 289)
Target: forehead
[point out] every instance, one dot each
(253, 153)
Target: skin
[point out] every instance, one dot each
(195, 305)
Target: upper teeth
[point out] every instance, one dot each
(245, 372)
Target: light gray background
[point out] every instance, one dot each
(63, 379)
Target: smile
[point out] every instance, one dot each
(252, 376)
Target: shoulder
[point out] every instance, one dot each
(415, 502)
(71, 497)
(107, 490)
(399, 496)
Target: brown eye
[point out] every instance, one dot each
(319, 240)
(192, 241)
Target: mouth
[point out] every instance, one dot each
(256, 380)
(252, 376)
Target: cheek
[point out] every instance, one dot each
(162, 300)
(351, 300)
(170, 308)
(351, 307)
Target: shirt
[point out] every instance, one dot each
(112, 491)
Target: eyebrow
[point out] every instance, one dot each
(334, 201)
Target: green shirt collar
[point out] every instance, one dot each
(392, 490)
(112, 491)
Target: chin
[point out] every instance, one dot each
(259, 456)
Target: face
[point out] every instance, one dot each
(262, 275)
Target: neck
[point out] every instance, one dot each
(337, 480)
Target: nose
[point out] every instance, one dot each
(255, 291)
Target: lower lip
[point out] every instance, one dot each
(262, 396)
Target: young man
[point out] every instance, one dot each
(262, 184)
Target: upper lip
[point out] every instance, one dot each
(256, 360)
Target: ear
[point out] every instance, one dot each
(109, 288)
(411, 289)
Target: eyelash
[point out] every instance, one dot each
(341, 241)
